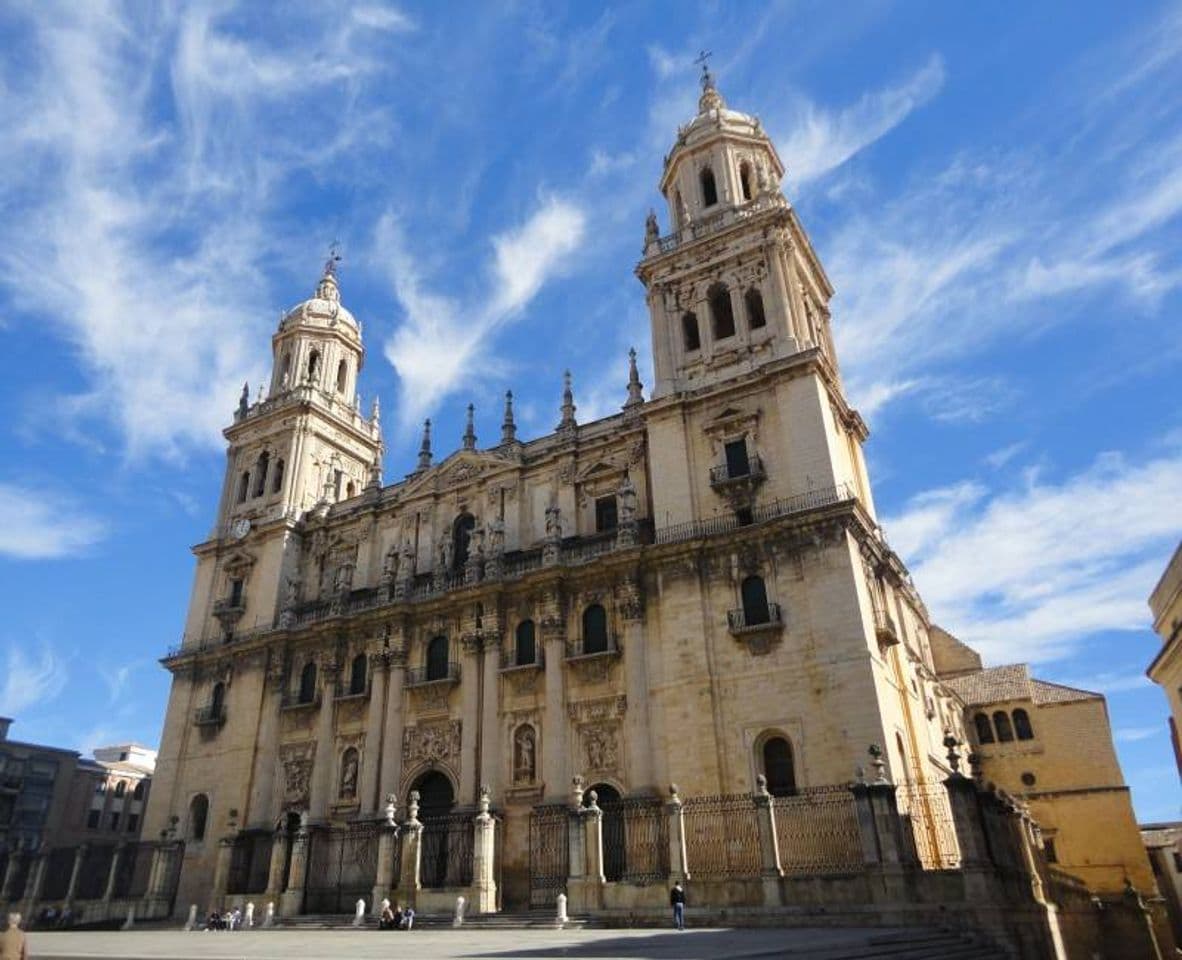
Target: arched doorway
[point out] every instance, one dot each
(445, 844)
(608, 798)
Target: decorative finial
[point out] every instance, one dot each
(244, 400)
(877, 763)
(425, 446)
(568, 404)
(327, 288)
(470, 429)
(710, 99)
(375, 470)
(375, 413)
(508, 426)
(635, 387)
(652, 232)
(950, 744)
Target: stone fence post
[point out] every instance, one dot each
(410, 881)
(678, 867)
(585, 881)
(113, 877)
(221, 871)
(769, 843)
(484, 882)
(388, 832)
(291, 903)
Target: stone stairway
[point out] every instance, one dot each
(521, 920)
(909, 945)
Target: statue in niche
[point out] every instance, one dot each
(627, 501)
(390, 566)
(553, 522)
(524, 753)
(651, 231)
(349, 775)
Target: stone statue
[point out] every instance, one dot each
(651, 231)
(291, 594)
(553, 522)
(349, 775)
(627, 501)
(683, 214)
(523, 765)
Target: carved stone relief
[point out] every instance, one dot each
(296, 762)
(601, 747)
(431, 742)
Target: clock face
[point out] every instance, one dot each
(241, 528)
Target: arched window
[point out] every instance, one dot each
(678, 207)
(243, 486)
(745, 179)
(308, 682)
(689, 332)
(709, 189)
(437, 652)
(277, 476)
(722, 314)
(314, 366)
(350, 490)
(461, 537)
(357, 674)
(984, 728)
(595, 629)
(120, 788)
(1022, 725)
(526, 647)
(778, 767)
(138, 792)
(217, 698)
(285, 369)
(1001, 722)
(198, 814)
(260, 473)
(753, 300)
(342, 376)
(754, 596)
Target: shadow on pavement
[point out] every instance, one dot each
(687, 945)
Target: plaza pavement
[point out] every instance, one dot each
(471, 944)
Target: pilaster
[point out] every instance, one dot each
(291, 903)
(469, 698)
(371, 761)
(391, 770)
(554, 724)
(322, 769)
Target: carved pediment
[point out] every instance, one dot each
(461, 468)
(239, 562)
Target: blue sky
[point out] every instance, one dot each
(995, 193)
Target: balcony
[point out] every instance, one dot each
(737, 482)
(346, 691)
(211, 715)
(229, 611)
(740, 622)
(884, 629)
(425, 676)
(293, 701)
(714, 223)
(509, 661)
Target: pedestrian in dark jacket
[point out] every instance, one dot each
(677, 901)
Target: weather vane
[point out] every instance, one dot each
(334, 257)
(703, 56)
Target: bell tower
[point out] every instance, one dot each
(303, 444)
(735, 283)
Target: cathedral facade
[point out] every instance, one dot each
(693, 591)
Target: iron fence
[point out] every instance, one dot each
(342, 867)
(96, 870)
(635, 840)
(722, 836)
(780, 507)
(817, 831)
(58, 869)
(926, 814)
(250, 862)
(447, 850)
(549, 853)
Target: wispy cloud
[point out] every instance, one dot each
(30, 679)
(1029, 574)
(443, 342)
(1134, 734)
(42, 525)
(821, 140)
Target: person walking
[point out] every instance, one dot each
(677, 901)
(13, 945)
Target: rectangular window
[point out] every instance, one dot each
(114, 821)
(1049, 846)
(92, 819)
(235, 592)
(605, 514)
(737, 464)
(133, 821)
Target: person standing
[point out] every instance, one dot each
(677, 901)
(13, 945)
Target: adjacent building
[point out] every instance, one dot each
(1166, 670)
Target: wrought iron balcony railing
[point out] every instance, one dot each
(421, 676)
(578, 648)
(211, 715)
(509, 660)
(722, 474)
(745, 621)
(293, 701)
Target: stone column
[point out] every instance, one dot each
(291, 903)
(469, 697)
(391, 772)
(780, 301)
(410, 881)
(371, 760)
(279, 842)
(79, 858)
(221, 872)
(490, 740)
(554, 722)
(484, 880)
(769, 843)
(113, 873)
(15, 856)
(35, 880)
(384, 880)
(678, 867)
(636, 720)
(260, 810)
(322, 771)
